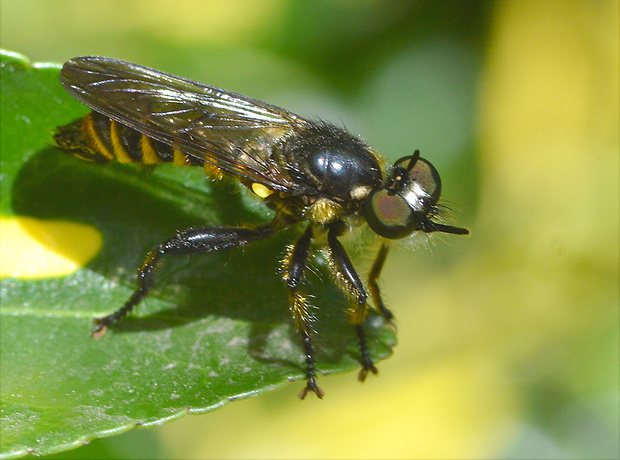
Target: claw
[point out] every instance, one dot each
(364, 372)
(99, 329)
(311, 386)
(391, 325)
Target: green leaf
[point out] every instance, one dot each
(215, 329)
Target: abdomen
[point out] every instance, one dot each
(97, 138)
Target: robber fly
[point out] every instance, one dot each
(304, 170)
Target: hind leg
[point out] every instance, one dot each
(190, 241)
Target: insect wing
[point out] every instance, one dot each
(229, 130)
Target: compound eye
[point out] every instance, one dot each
(425, 174)
(389, 215)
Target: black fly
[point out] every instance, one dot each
(305, 171)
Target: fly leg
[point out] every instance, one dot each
(300, 308)
(353, 285)
(190, 241)
(373, 285)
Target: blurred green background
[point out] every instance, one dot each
(508, 339)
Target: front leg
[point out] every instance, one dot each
(353, 285)
(190, 241)
(373, 284)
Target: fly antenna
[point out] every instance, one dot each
(414, 160)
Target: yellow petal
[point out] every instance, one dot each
(33, 248)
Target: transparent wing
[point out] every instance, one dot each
(231, 131)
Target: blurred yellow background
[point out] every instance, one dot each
(509, 339)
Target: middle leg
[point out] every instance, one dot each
(296, 262)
